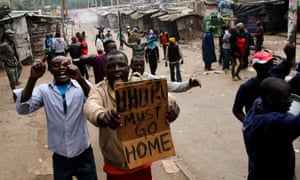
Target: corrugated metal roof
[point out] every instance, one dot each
(149, 11)
(159, 14)
(42, 16)
(174, 17)
(12, 17)
(139, 14)
(136, 15)
(215, 2)
(127, 12)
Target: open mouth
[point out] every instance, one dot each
(118, 78)
(62, 75)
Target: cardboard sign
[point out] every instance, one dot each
(145, 133)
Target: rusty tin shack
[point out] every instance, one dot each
(125, 18)
(155, 19)
(38, 27)
(30, 30)
(142, 19)
(184, 27)
(18, 24)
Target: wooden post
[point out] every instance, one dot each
(120, 27)
(62, 10)
(292, 23)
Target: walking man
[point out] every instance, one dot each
(174, 57)
(259, 36)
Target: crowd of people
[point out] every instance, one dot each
(70, 99)
(70, 91)
(234, 47)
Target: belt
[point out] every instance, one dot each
(76, 59)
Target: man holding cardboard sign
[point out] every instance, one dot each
(115, 133)
(145, 134)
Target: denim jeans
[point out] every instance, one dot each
(258, 46)
(82, 166)
(176, 66)
(226, 58)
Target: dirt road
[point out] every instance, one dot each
(208, 139)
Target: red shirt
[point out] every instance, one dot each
(84, 48)
(112, 170)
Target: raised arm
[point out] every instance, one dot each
(88, 59)
(74, 73)
(125, 42)
(183, 86)
(37, 70)
(151, 40)
(283, 69)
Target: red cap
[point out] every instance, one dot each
(262, 57)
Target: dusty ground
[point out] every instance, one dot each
(208, 139)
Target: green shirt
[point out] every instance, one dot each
(7, 54)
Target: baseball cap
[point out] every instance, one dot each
(262, 57)
(172, 39)
(240, 25)
(9, 31)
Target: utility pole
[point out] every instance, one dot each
(63, 18)
(292, 23)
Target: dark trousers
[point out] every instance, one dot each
(165, 50)
(175, 67)
(152, 57)
(86, 72)
(60, 54)
(157, 52)
(82, 68)
(82, 166)
(226, 58)
(258, 46)
(49, 59)
(207, 65)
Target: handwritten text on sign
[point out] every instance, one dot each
(145, 134)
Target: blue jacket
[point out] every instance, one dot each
(269, 140)
(208, 47)
(248, 91)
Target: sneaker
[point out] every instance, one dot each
(238, 77)
(234, 79)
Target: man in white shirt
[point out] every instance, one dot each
(138, 69)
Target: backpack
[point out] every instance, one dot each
(241, 46)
